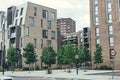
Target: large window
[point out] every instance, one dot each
(31, 21)
(111, 41)
(45, 33)
(44, 13)
(110, 28)
(49, 24)
(52, 15)
(97, 31)
(53, 34)
(97, 41)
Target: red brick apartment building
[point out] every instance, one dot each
(105, 29)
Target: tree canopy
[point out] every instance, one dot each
(29, 54)
(13, 55)
(48, 56)
(98, 54)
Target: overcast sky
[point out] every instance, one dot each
(78, 10)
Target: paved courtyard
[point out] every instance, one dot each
(60, 74)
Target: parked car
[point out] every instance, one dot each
(6, 78)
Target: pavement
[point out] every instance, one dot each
(88, 75)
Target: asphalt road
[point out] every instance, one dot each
(42, 78)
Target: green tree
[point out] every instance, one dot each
(68, 54)
(60, 55)
(98, 55)
(29, 54)
(85, 56)
(48, 57)
(13, 56)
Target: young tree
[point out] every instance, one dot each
(69, 55)
(98, 55)
(85, 56)
(60, 55)
(48, 57)
(13, 56)
(29, 54)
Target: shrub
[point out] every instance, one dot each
(104, 67)
(37, 68)
(44, 67)
(0, 68)
(25, 68)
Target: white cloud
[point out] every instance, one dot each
(78, 10)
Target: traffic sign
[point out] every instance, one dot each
(112, 52)
(76, 56)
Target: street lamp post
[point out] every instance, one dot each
(77, 58)
(112, 54)
(3, 46)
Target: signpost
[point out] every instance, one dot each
(112, 54)
(76, 57)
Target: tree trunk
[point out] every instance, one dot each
(84, 67)
(12, 67)
(29, 68)
(49, 69)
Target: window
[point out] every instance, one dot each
(27, 31)
(16, 21)
(111, 41)
(96, 1)
(109, 18)
(45, 33)
(81, 40)
(96, 10)
(17, 12)
(96, 21)
(21, 42)
(35, 11)
(110, 28)
(41, 43)
(119, 8)
(31, 21)
(52, 15)
(97, 41)
(81, 35)
(21, 21)
(109, 6)
(53, 34)
(35, 41)
(44, 13)
(48, 43)
(21, 12)
(49, 24)
(97, 31)
(41, 23)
